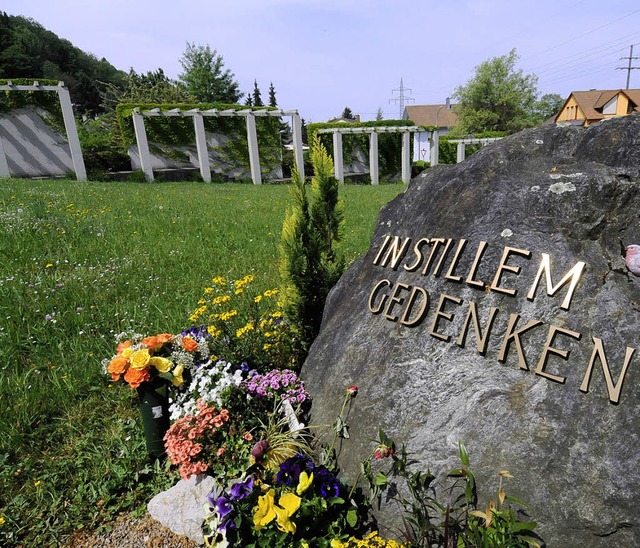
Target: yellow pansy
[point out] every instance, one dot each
(264, 513)
(140, 358)
(288, 505)
(177, 375)
(161, 364)
(335, 543)
(305, 482)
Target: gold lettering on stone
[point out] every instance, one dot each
(613, 390)
(382, 248)
(374, 292)
(440, 313)
(504, 267)
(481, 341)
(449, 275)
(395, 299)
(418, 254)
(549, 349)
(435, 245)
(436, 272)
(411, 301)
(572, 278)
(514, 336)
(470, 278)
(395, 252)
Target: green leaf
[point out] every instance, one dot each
(517, 501)
(381, 479)
(464, 455)
(352, 518)
(524, 526)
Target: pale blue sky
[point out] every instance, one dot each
(323, 55)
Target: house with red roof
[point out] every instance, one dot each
(583, 108)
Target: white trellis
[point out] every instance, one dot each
(373, 132)
(201, 141)
(69, 125)
(460, 151)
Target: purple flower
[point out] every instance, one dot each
(242, 489)
(223, 506)
(326, 482)
(259, 449)
(291, 469)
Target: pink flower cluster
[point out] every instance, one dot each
(184, 439)
(283, 384)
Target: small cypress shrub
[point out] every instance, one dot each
(309, 264)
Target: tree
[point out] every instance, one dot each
(379, 114)
(547, 106)
(347, 114)
(308, 261)
(272, 95)
(497, 98)
(257, 96)
(205, 76)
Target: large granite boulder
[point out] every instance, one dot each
(456, 325)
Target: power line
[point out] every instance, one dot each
(629, 68)
(402, 98)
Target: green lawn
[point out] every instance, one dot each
(81, 262)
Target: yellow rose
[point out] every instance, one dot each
(161, 364)
(127, 352)
(140, 359)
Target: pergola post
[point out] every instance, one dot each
(143, 144)
(338, 163)
(296, 125)
(4, 166)
(373, 158)
(435, 147)
(254, 157)
(406, 157)
(72, 132)
(201, 146)
(460, 152)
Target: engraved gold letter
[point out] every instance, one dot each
(379, 285)
(548, 349)
(614, 391)
(515, 336)
(481, 342)
(504, 266)
(573, 276)
(441, 314)
(418, 316)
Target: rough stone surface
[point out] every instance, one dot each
(181, 507)
(572, 193)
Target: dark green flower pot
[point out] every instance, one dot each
(154, 406)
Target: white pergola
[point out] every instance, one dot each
(69, 125)
(373, 132)
(460, 151)
(201, 140)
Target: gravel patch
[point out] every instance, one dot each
(130, 532)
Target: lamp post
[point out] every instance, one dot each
(435, 139)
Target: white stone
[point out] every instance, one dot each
(506, 233)
(180, 508)
(560, 188)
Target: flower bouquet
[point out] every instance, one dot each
(152, 365)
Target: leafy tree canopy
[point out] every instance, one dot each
(347, 114)
(205, 76)
(497, 98)
(28, 50)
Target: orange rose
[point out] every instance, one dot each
(135, 377)
(189, 344)
(164, 337)
(150, 342)
(122, 346)
(117, 366)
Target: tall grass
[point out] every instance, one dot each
(80, 263)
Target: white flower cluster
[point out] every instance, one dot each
(210, 382)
